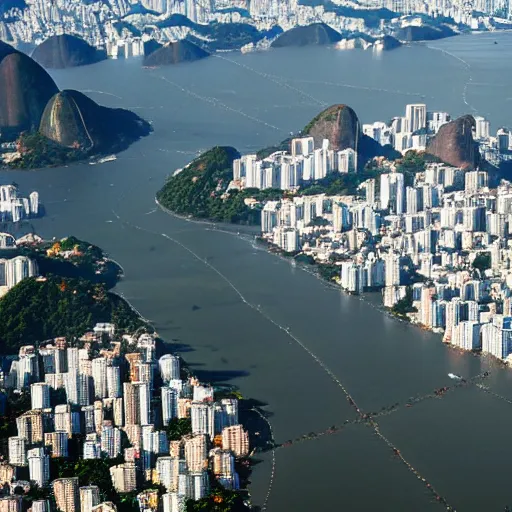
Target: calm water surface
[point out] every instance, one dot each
(240, 315)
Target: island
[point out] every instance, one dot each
(314, 34)
(175, 53)
(415, 209)
(41, 126)
(66, 51)
(97, 411)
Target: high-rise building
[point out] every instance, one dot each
(223, 462)
(169, 404)
(173, 502)
(106, 506)
(41, 506)
(416, 116)
(99, 376)
(67, 420)
(57, 443)
(11, 504)
(114, 387)
(17, 451)
(167, 471)
(40, 395)
(123, 477)
(203, 418)
(30, 426)
(236, 439)
(169, 367)
(38, 466)
(89, 497)
(110, 440)
(136, 403)
(392, 192)
(67, 497)
(482, 128)
(196, 452)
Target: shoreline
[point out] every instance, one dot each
(364, 297)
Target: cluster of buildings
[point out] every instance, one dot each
(437, 242)
(120, 401)
(287, 171)
(120, 26)
(14, 270)
(304, 163)
(14, 208)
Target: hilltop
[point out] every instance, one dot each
(55, 127)
(65, 51)
(175, 53)
(314, 34)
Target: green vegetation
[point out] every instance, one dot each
(178, 427)
(482, 262)
(37, 310)
(200, 190)
(219, 500)
(38, 151)
(404, 305)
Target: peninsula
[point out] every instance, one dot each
(110, 418)
(416, 209)
(40, 126)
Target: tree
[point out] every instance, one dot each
(482, 262)
(178, 427)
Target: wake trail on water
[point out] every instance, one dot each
(470, 79)
(103, 92)
(360, 87)
(217, 103)
(281, 81)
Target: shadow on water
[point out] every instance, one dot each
(219, 376)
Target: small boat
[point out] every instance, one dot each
(454, 377)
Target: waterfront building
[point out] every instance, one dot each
(169, 367)
(223, 462)
(236, 439)
(416, 117)
(66, 492)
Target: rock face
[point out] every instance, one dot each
(66, 51)
(25, 88)
(454, 144)
(174, 53)
(72, 119)
(339, 124)
(314, 34)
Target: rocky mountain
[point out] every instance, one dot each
(339, 124)
(314, 34)
(25, 89)
(66, 51)
(174, 53)
(454, 144)
(72, 119)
